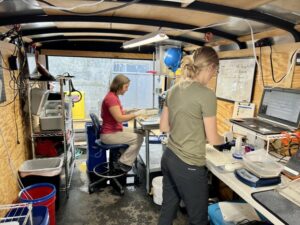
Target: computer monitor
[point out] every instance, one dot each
(281, 105)
(38, 99)
(31, 65)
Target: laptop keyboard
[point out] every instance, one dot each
(261, 123)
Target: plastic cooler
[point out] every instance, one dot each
(42, 194)
(43, 170)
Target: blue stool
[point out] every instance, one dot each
(104, 168)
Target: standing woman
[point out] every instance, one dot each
(113, 115)
(189, 115)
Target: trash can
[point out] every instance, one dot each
(42, 170)
(157, 190)
(41, 194)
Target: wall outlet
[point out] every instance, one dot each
(298, 59)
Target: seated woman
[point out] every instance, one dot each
(113, 115)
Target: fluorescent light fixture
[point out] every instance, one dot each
(147, 39)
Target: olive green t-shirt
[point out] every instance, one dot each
(188, 102)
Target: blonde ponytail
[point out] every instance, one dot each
(192, 65)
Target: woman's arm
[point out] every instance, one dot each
(164, 120)
(210, 124)
(116, 113)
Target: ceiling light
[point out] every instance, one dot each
(147, 39)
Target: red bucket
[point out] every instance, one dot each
(40, 194)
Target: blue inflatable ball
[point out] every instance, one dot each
(172, 58)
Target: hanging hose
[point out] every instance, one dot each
(72, 89)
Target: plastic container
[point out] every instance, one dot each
(42, 194)
(261, 164)
(40, 215)
(55, 180)
(47, 167)
(157, 190)
(95, 155)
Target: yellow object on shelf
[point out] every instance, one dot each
(78, 110)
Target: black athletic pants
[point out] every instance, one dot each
(186, 182)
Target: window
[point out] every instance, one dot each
(93, 76)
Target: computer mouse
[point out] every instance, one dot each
(232, 166)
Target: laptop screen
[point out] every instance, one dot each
(281, 105)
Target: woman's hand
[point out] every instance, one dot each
(140, 112)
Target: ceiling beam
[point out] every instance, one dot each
(96, 46)
(36, 31)
(229, 11)
(78, 37)
(114, 19)
(108, 31)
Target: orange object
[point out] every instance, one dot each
(291, 139)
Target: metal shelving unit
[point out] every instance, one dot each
(266, 138)
(66, 131)
(16, 213)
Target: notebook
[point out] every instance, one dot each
(279, 111)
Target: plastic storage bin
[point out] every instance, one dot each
(51, 116)
(261, 164)
(44, 170)
(41, 167)
(94, 154)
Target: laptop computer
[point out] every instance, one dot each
(279, 111)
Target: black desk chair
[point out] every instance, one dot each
(105, 170)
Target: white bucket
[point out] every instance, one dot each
(157, 190)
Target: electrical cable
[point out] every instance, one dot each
(16, 82)
(12, 167)
(93, 13)
(69, 10)
(16, 124)
(254, 51)
(63, 8)
(272, 70)
(262, 74)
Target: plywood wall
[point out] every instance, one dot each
(281, 59)
(11, 154)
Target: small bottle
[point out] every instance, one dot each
(239, 149)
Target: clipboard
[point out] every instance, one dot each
(243, 110)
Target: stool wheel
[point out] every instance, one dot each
(91, 190)
(105, 170)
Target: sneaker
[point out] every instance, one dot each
(121, 166)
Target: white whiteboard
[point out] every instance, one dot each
(235, 79)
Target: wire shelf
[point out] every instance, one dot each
(16, 214)
(48, 134)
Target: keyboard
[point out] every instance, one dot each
(153, 119)
(218, 158)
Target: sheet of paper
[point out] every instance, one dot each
(243, 110)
